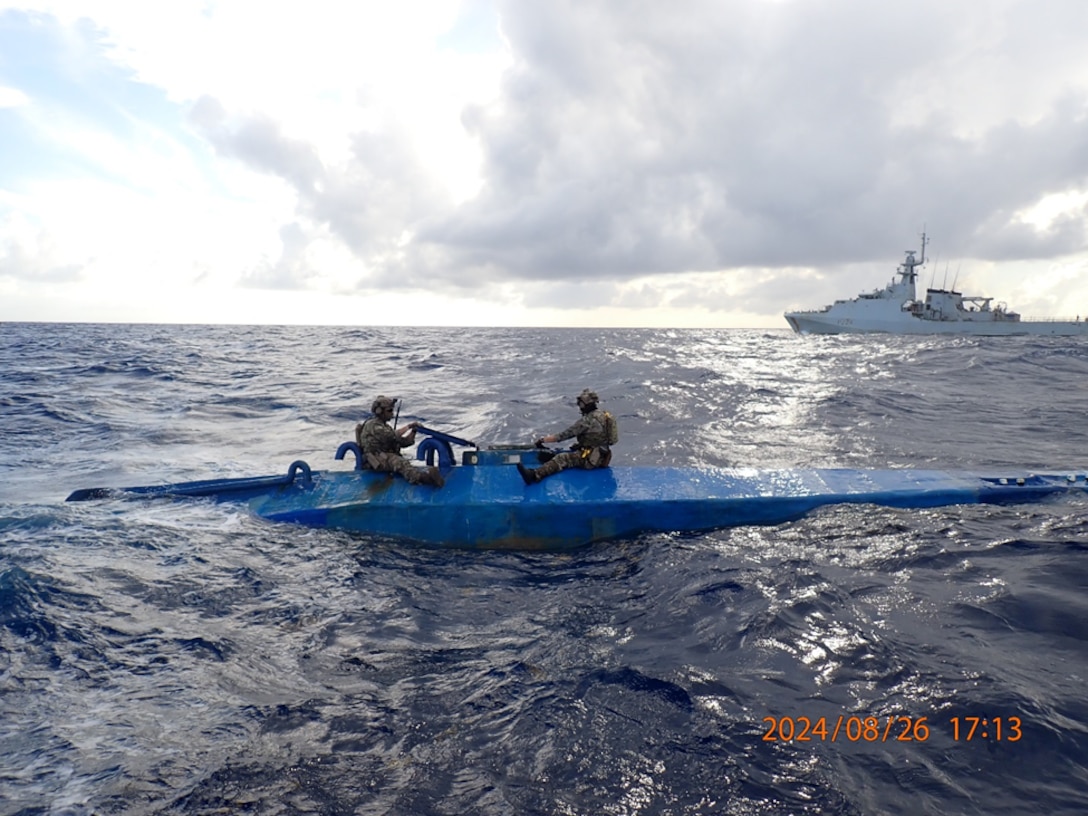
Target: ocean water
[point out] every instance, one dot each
(170, 657)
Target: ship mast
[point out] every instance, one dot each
(908, 273)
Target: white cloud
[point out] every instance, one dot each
(582, 162)
(12, 97)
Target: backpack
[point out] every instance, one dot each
(611, 428)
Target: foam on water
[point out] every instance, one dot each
(184, 657)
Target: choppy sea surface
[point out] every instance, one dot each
(170, 657)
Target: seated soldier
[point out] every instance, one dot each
(381, 445)
(594, 433)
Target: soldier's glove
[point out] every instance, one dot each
(540, 442)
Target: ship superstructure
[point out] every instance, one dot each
(896, 309)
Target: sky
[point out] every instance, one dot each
(703, 163)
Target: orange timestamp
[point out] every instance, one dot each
(892, 728)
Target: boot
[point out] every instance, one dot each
(529, 475)
(434, 477)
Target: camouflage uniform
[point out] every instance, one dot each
(591, 435)
(591, 451)
(381, 447)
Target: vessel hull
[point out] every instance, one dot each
(815, 323)
(895, 309)
(491, 508)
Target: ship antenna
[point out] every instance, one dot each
(933, 274)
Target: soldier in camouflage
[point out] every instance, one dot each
(594, 434)
(381, 445)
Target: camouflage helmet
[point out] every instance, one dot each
(382, 403)
(588, 397)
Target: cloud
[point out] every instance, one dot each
(34, 256)
(371, 202)
(292, 270)
(259, 142)
(623, 145)
(723, 158)
(12, 97)
(641, 142)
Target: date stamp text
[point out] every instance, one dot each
(891, 728)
